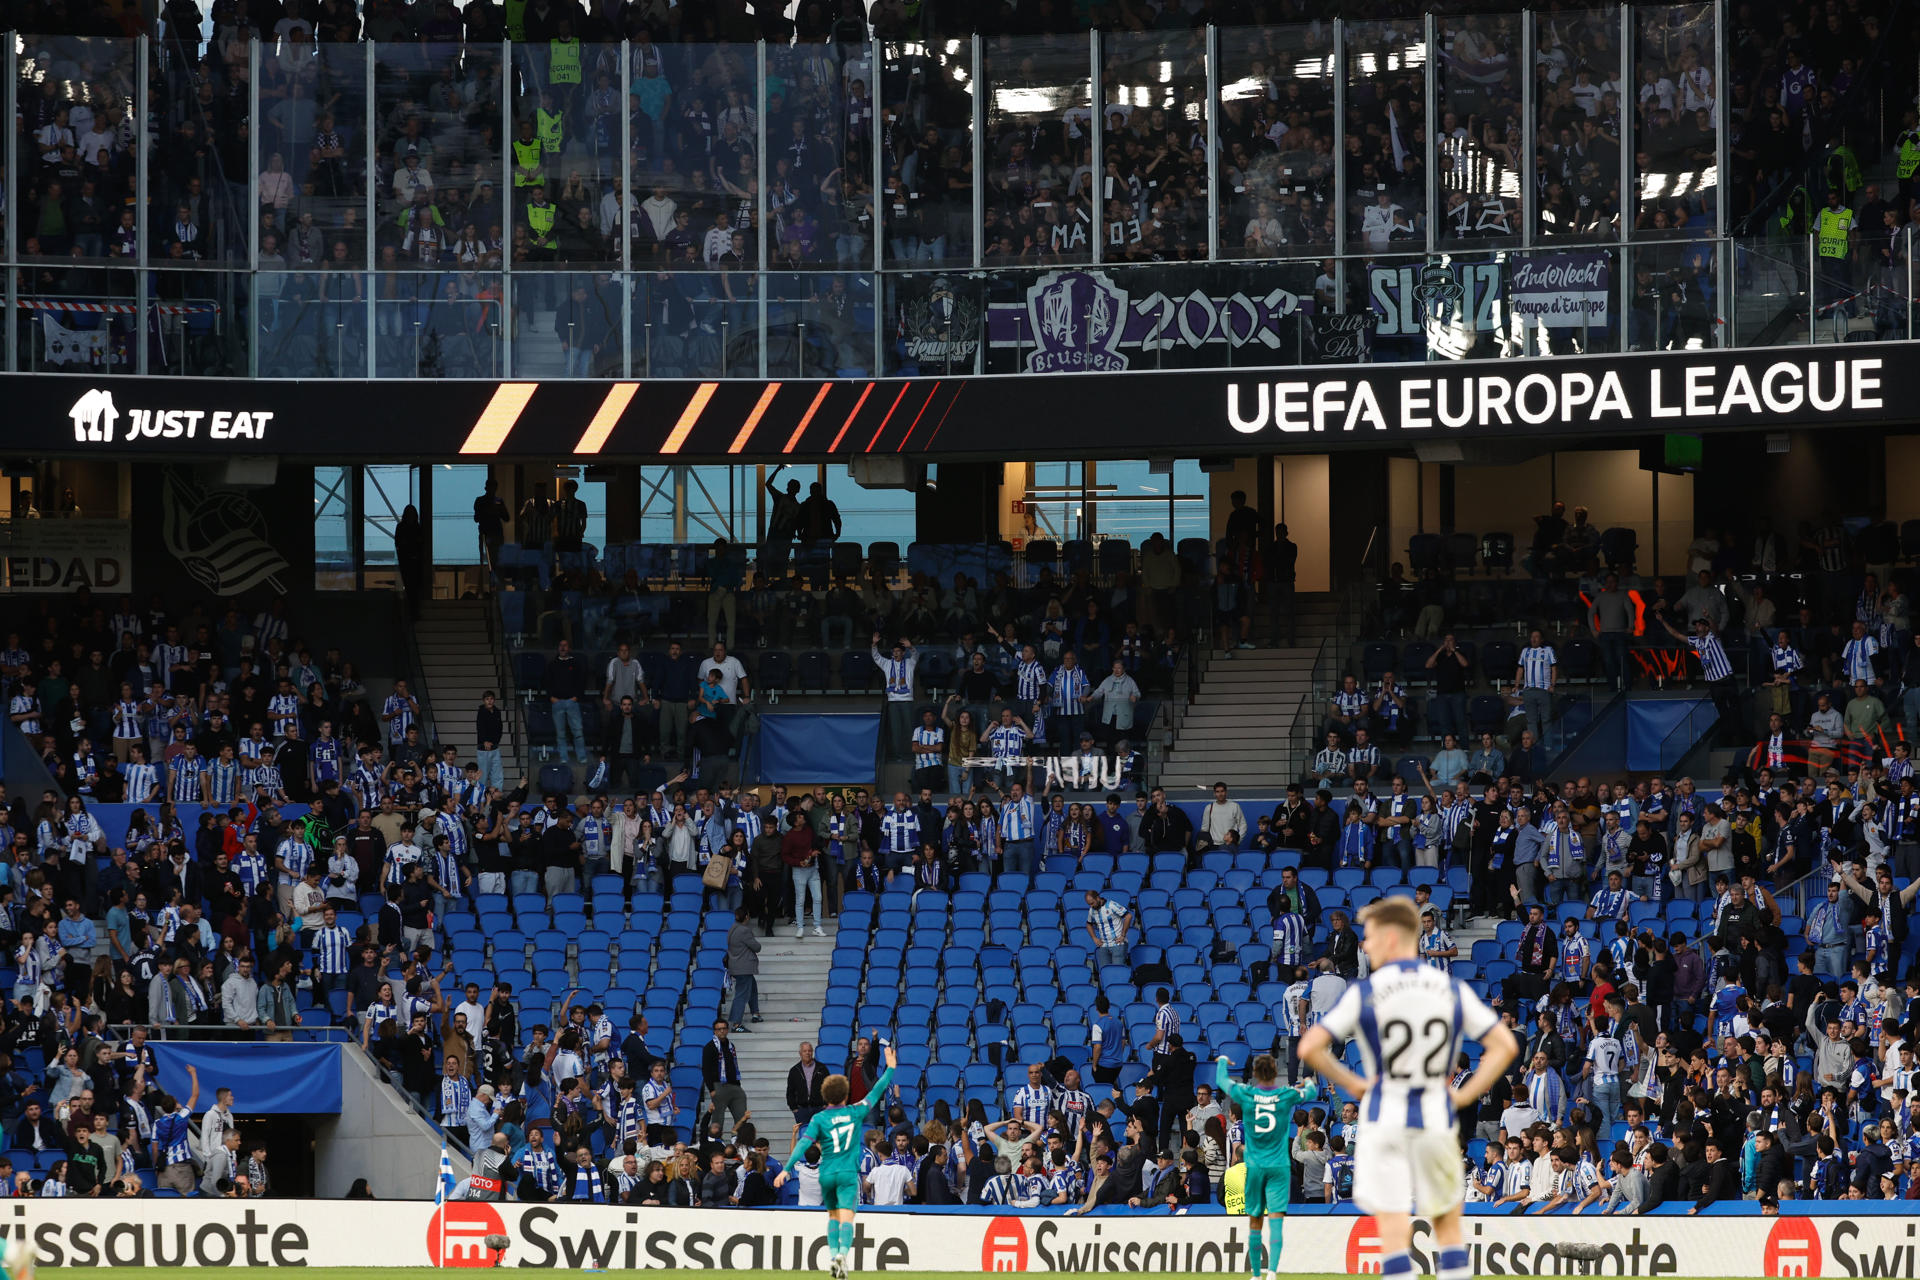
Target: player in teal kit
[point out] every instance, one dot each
(1266, 1117)
(838, 1130)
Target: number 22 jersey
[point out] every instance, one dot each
(1409, 1021)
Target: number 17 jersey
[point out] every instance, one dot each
(1409, 1021)
(839, 1130)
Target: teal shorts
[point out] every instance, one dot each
(1268, 1190)
(839, 1190)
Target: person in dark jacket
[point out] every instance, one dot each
(1719, 1181)
(931, 1178)
(1301, 895)
(1165, 828)
(804, 1079)
(1663, 1177)
(1172, 1076)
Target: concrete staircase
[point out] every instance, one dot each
(1242, 728)
(457, 667)
(793, 987)
(536, 349)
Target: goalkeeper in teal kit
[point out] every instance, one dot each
(838, 1130)
(1266, 1119)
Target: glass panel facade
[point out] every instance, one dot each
(1675, 165)
(1039, 122)
(1277, 141)
(1153, 170)
(820, 140)
(333, 516)
(1385, 141)
(1537, 181)
(928, 96)
(1478, 148)
(1577, 119)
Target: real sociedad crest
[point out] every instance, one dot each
(218, 536)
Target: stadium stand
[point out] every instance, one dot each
(407, 189)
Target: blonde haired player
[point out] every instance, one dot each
(1409, 1020)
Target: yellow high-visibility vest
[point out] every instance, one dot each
(551, 128)
(527, 155)
(563, 61)
(1831, 229)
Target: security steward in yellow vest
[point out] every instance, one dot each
(542, 221)
(1909, 162)
(1833, 242)
(529, 161)
(550, 126)
(563, 63)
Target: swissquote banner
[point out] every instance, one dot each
(387, 1233)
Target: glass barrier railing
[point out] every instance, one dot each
(1457, 186)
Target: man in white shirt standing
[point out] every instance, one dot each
(891, 1183)
(1224, 824)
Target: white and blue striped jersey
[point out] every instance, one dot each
(900, 828)
(1713, 658)
(1287, 1017)
(656, 1096)
(1032, 1102)
(1030, 682)
(295, 856)
(1289, 937)
(283, 709)
(184, 779)
(141, 779)
(1856, 660)
(928, 741)
(222, 778)
(1536, 666)
(401, 709)
(330, 943)
(1409, 1020)
(1017, 819)
(1604, 1054)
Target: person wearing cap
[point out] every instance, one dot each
(483, 1113)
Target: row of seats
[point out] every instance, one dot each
(692, 562)
(1490, 552)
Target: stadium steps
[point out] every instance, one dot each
(1240, 728)
(536, 349)
(457, 666)
(793, 987)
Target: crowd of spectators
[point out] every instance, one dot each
(469, 155)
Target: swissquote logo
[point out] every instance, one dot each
(1005, 1246)
(1363, 1248)
(1793, 1249)
(458, 1231)
(95, 416)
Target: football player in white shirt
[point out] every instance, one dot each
(1410, 1020)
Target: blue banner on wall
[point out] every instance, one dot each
(266, 1078)
(809, 747)
(1649, 721)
